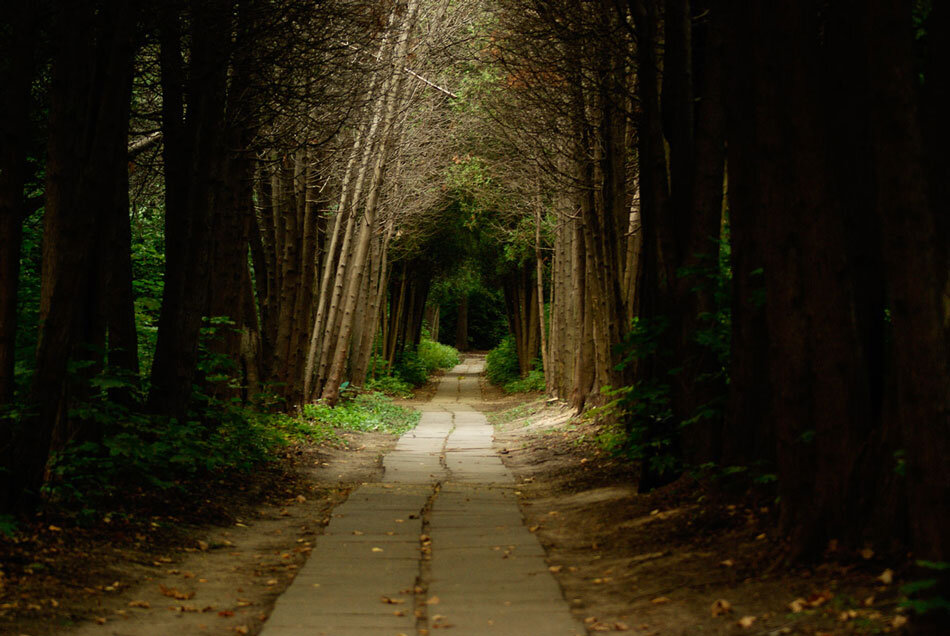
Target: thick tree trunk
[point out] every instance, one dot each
(193, 158)
(747, 439)
(16, 76)
(915, 273)
(88, 136)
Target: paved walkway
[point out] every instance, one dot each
(438, 544)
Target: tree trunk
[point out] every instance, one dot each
(88, 136)
(16, 76)
(461, 324)
(915, 275)
(193, 156)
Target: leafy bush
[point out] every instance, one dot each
(531, 383)
(366, 412)
(415, 367)
(410, 368)
(390, 385)
(501, 364)
(502, 369)
(435, 355)
(145, 451)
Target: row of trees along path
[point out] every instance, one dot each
(724, 221)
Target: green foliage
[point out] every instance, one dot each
(148, 267)
(366, 412)
(435, 355)
(415, 367)
(390, 385)
(639, 418)
(501, 364)
(143, 451)
(502, 369)
(531, 383)
(487, 324)
(410, 368)
(925, 596)
(8, 525)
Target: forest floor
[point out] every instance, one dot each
(672, 562)
(681, 560)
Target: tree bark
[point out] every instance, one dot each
(193, 159)
(16, 76)
(88, 137)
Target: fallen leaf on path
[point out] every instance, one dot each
(798, 605)
(203, 545)
(377, 549)
(659, 600)
(867, 553)
(391, 601)
(620, 626)
(225, 613)
(728, 563)
(357, 532)
(301, 499)
(101, 620)
(819, 599)
(241, 629)
(175, 593)
(746, 621)
(554, 569)
(272, 581)
(886, 577)
(899, 621)
(142, 604)
(721, 607)
(433, 601)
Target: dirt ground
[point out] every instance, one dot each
(682, 560)
(678, 561)
(215, 569)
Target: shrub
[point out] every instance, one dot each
(366, 412)
(532, 382)
(502, 369)
(390, 385)
(410, 368)
(435, 355)
(415, 367)
(501, 365)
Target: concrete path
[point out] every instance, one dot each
(438, 544)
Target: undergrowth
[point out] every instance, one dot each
(413, 368)
(142, 453)
(367, 412)
(502, 369)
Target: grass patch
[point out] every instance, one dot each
(522, 411)
(367, 412)
(390, 385)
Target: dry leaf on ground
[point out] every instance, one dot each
(721, 607)
(746, 621)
